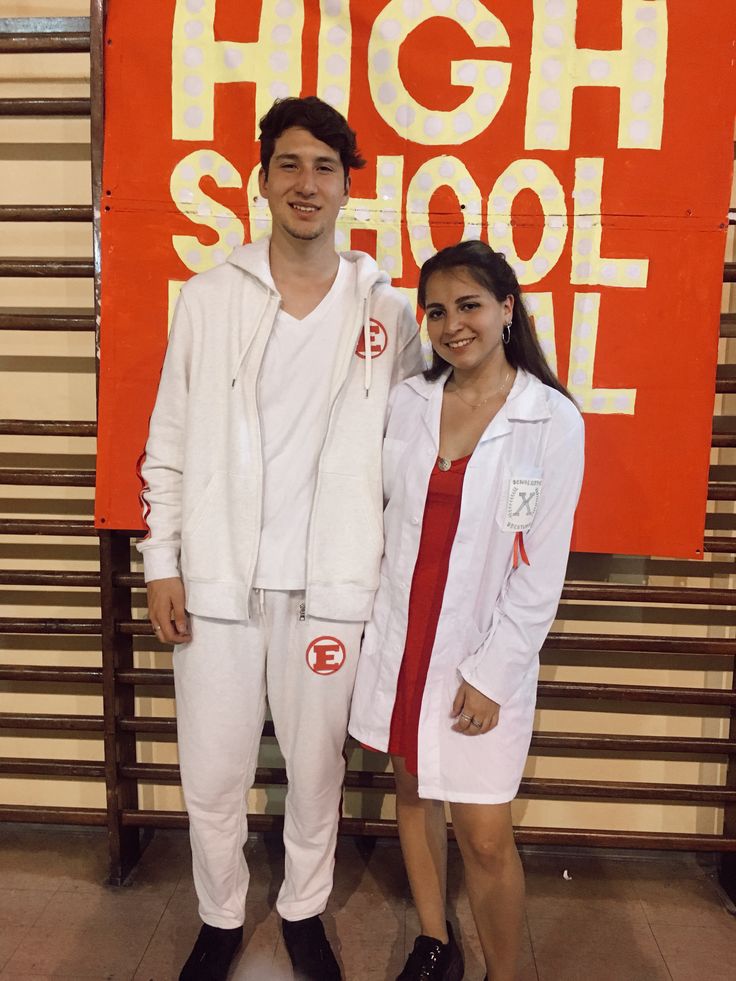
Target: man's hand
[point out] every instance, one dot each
(475, 712)
(167, 612)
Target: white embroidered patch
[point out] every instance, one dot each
(521, 504)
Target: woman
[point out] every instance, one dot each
(483, 461)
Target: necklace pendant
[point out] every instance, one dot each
(443, 463)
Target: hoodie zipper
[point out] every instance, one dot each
(244, 353)
(330, 416)
(259, 430)
(241, 361)
(368, 354)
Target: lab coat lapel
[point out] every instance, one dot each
(525, 402)
(431, 411)
(498, 426)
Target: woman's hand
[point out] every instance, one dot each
(475, 712)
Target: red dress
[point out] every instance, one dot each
(441, 516)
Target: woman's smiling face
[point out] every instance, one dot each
(465, 320)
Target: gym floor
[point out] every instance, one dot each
(595, 916)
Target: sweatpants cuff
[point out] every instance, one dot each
(223, 922)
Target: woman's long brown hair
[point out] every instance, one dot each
(491, 270)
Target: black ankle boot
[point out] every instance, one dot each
(309, 950)
(431, 960)
(212, 954)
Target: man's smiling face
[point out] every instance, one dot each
(305, 186)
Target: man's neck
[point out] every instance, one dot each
(303, 273)
(294, 260)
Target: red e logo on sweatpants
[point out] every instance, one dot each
(379, 340)
(326, 655)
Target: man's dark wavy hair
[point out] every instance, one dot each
(491, 270)
(317, 117)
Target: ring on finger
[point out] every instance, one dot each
(478, 725)
(466, 718)
(156, 626)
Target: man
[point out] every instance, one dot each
(262, 486)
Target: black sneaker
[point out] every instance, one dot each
(431, 960)
(309, 950)
(212, 954)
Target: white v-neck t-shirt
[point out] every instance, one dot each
(293, 397)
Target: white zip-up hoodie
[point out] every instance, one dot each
(203, 468)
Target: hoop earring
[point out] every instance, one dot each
(506, 333)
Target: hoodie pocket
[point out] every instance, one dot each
(212, 489)
(217, 528)
(347, 531)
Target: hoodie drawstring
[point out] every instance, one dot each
(368, 363)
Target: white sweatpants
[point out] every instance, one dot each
(306, 669)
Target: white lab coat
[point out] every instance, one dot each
(523, 477)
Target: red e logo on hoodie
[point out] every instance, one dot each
(379, 340)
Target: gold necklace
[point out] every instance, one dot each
(477, 405)
(442, 461)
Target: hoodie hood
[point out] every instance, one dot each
(254, 260)
(368, 273)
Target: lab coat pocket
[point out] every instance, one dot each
(521, 490)
(473, 639)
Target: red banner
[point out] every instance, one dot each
(591, 143)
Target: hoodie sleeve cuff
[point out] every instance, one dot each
(161, 562)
